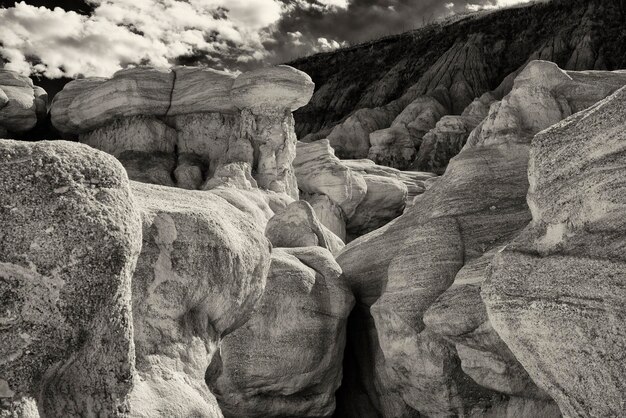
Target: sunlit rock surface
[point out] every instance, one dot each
(287, 359)
(475, 208)
(69, 240)
(178, 127)
(22, 105)
(200, 274)
(555, 294)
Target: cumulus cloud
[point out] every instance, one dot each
(68, 38)
(56, 42)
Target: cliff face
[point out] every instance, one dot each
(455, 62)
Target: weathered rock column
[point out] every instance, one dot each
(267, 138)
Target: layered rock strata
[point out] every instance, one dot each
(447, 237)
(178, 127)
(22, 105)
(555, 294)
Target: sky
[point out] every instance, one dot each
(74, 38)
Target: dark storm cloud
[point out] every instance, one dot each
(360, 21)
(67, 38)
(78, 6)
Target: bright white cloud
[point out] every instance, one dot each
(121, 32)
(324, 44)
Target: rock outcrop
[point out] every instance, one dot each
(556, 294)
(178, 127)
(436, 339)
(200, 274)
(448, 137)
(397, 145)
(69, 240)
(361, 90)
(287, 359)
(298, 226)
(22, 105)
(80, 336)
(353, 197)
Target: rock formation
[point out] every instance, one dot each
(556, 294)
(69, 240)
(435, 337)
(167, 130)
(200, 274)
(361, 91)
(353, 197)
(286, 360)
(22, 105)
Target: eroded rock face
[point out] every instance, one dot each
(286, 360)
(448, 137)
(201, 272)
(69, 241)
(397, 145)
(556, 292)
(368, 195)
(474, 209)
(187, 122)
(22, 105)
(297, 226)
(320, 172)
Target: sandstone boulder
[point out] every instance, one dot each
(281, 87)
(556, 292)
(415, 181)
(22, 105)
(69, 240)
(298, 226)
(286, 360)
(320, 172)
(397, 145)
(329, 213)
(384, 201)
(200, 274)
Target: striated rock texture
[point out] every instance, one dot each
(556, 294)
(353, 197)
(440, 354)
(397, 145)
(22, 105)
(178, 127)
(69, 241)
(361, 90)
(200, 274)
(287, 359)
(447, 138)
(297, 226)
(320, 172)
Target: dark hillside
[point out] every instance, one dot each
(577, 35)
